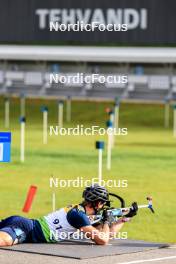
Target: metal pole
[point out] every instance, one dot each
(100, 146)
(22, 104)
(54, 201)
(116, 111)
(44, 110)
(7, 111)
(166, 114)
(174, 122)
(60, 113)
(69, 109)
(22, 143)
(110, 139)
(45, 127)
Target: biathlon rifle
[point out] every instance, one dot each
(122, 211)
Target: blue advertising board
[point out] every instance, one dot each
(5, 146)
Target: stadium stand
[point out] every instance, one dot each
(147, 79)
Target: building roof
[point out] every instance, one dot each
(88, 54)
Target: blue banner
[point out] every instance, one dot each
(5, 146)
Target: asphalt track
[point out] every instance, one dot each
(160, 256)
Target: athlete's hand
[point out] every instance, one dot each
(133, 210)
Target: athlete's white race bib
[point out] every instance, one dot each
(1, 151)
(59, 225)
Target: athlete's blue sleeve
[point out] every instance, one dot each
(77, 218)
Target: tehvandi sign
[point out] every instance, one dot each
(130, 16)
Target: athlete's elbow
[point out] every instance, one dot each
(102, 242)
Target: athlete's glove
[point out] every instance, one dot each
(133, 210)
(105, 217)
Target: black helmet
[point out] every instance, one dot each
(95, 193)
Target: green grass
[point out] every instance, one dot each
(146, 158)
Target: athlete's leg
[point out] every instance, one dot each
(12, 231)
(22, 230)
(6, 239)
(7, 221)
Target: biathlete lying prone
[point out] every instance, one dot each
(50, 228)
